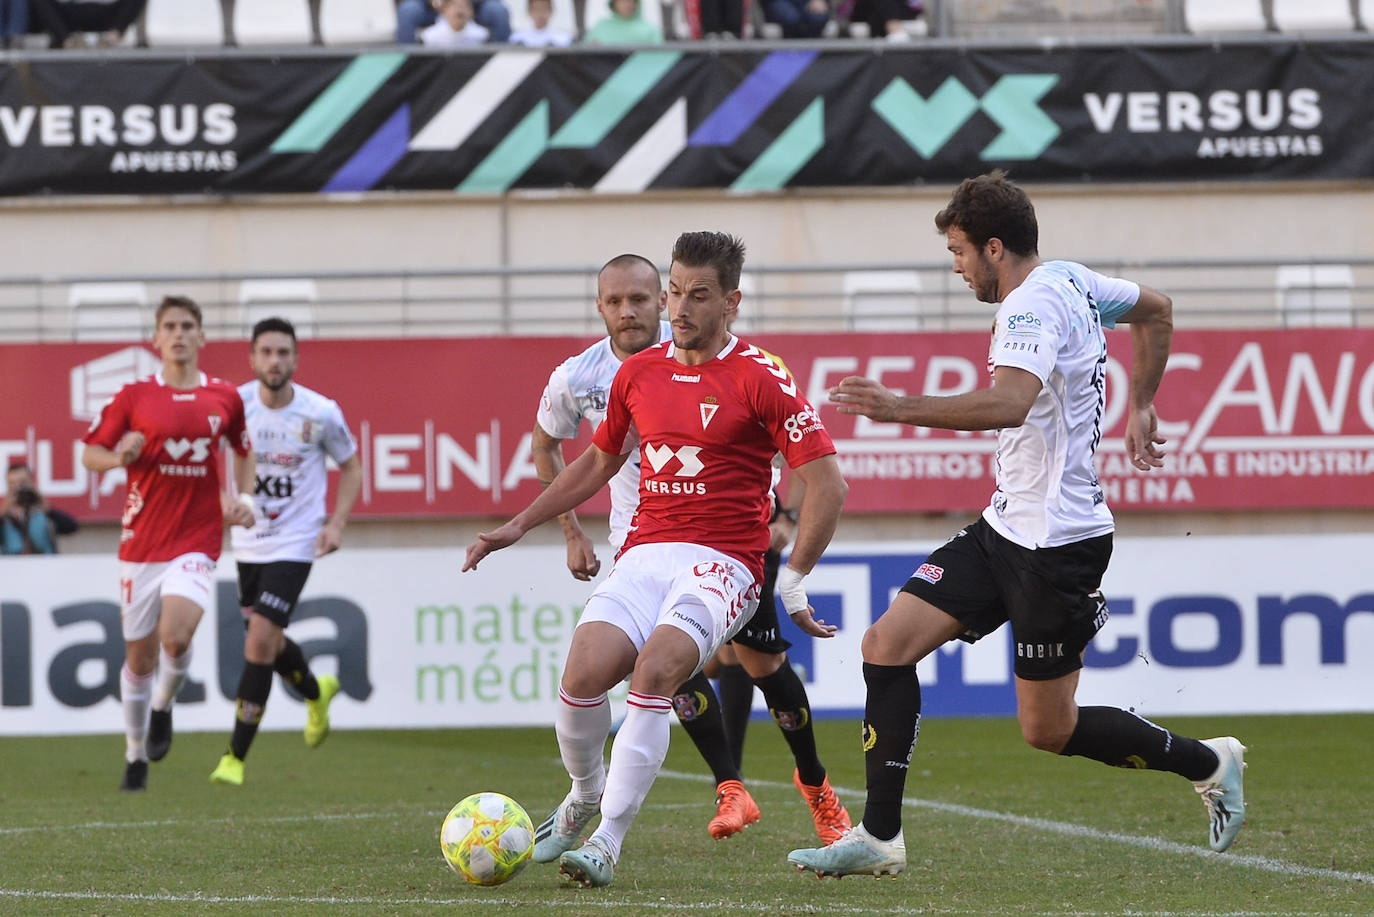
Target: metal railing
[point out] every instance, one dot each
(559, 300)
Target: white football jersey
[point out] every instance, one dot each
(578, 389)
(290, 444)
(1051, 325)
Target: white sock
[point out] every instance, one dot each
(582, 724)
(134, 691)
(171, 673)
(637, 754)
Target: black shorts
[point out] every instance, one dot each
(272, 589)
(761, 632)
(1049, 595)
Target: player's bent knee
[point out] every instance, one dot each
(1050, 736)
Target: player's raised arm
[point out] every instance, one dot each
(820, 514)
(546, 451)
(581, 480)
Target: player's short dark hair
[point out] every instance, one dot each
(719, 250)
(274, 323)
(179, 302)
(991, 206)
(629, 259)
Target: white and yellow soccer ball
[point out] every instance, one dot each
(487, 838)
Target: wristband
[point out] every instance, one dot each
(790, 588)
(247, 500)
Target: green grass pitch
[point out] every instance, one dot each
(992, 827)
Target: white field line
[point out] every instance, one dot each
(1069, 829)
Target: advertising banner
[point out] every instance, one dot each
(1198, 626)
(1254, 419)
(668, 118)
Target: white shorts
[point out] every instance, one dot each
(705, 594)
(142, 586)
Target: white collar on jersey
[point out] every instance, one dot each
(725, 351)
(163, 382)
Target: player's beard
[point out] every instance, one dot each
(280, 384)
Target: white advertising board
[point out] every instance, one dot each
(1198, 626)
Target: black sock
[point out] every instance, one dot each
(892, 723)
(1122, 739)
(736, 701)
(292, 666)
(699, 713)
(254, 686)
(785, 695)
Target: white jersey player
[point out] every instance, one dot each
(296, 430)
(1036, 558)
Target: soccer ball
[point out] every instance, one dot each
(487, 838)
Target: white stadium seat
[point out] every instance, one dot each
(109, 311)
(357, 22)
(882, 300)
(290, 298)
(1313, 16)
(272, 22)
(1204, 17)
(184, 23)
(1315, 295)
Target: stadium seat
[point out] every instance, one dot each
(184, 23)
(1313, 16)
(1204, 17)
(882, 300)
(272, 22)
(114, 311)
(1315, 295)
(357, 22)
(290, 298)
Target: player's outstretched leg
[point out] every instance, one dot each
(787, 701)
(255, 686)
(290, 664)
(1224, 792)
(699, 712)
(135, 692)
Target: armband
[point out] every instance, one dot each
(790, 588)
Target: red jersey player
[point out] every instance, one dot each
(706, 412)
(166, 430)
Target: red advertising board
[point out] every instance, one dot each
(1254, 418)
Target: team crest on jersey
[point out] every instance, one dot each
(214, 424)
(597, 397)
(708, 410)
(306, 429)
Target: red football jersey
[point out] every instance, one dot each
(707, 435)
(173, 505)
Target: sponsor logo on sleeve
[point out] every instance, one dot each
(929, 572)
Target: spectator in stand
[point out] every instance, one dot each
(721, 18)
(884, 18)
(625, 26)
(454, 28)
(29, 525)
(63, 19)
(412, 16)
(14, 22)
(541, 35)
(798, 18)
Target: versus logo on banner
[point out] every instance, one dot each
(662, 118)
